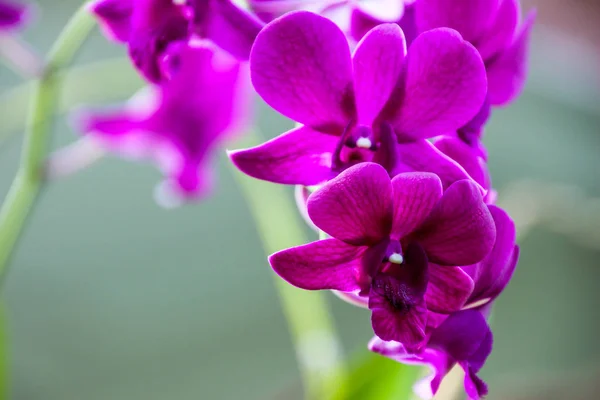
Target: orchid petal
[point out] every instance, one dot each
(300, 65)
(508, 71)
(301, 156)
(448, 290)
(356, 206)
(325, 264)
(444, 86)
(415, 196)
(377, 62)
(460, 230)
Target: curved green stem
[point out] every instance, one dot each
(29, 179)
(318, 349)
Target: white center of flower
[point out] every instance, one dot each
(396, 258)
(364, 143)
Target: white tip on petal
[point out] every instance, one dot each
(396, 258)
(179, 2)
(166, 197)
(364, 143)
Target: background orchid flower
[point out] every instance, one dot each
(189, 116)
(150, 26)
(357, 107)
(395, 241)
(12, 15)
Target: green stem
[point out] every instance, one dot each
(279, 226)
(26, 185)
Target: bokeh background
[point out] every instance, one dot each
(112, 297)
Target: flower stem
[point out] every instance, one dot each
(317, 347)
(30, 176)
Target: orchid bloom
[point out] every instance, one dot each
(190, 115)
(149, 27)
(378, 104)
(396, 242)
(12, 15)
(464, 337)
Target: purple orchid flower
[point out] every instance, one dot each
(357, 108)
(149, 27)
(493, 27)
(189, 116)
(12, 15)
(395, 241)
(464, 337)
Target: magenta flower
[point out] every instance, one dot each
(464, 337)
(191, 114)
(493, 27)
(149, 27)
(357, 107)
(397, 242)
(12, 15)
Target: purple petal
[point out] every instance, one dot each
(502, 31)
(325, 264)
(494, 272)
(448, 290)
(422, 156)
(508, 71)
(471, 18)
(467, 157)
(467, 338)
(377, 63)
(444, 86)
(232, 28)
(11, 15)
(461, 230)
(300, 65)
(114, 17)
(301, 156)
(123, 132)
(198, 102)
(356, 206)
(415, 196)
(154, 26)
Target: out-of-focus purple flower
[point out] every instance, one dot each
(149, 27)
(464, 337)
(357, 107)
(395, 241)
(12, 15)
(186, 119)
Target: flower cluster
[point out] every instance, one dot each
(390, 166)
(390, 100)
(190, 52)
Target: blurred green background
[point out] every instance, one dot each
(112, 297)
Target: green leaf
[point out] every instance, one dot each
(374, 377)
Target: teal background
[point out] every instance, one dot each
(112, 297)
